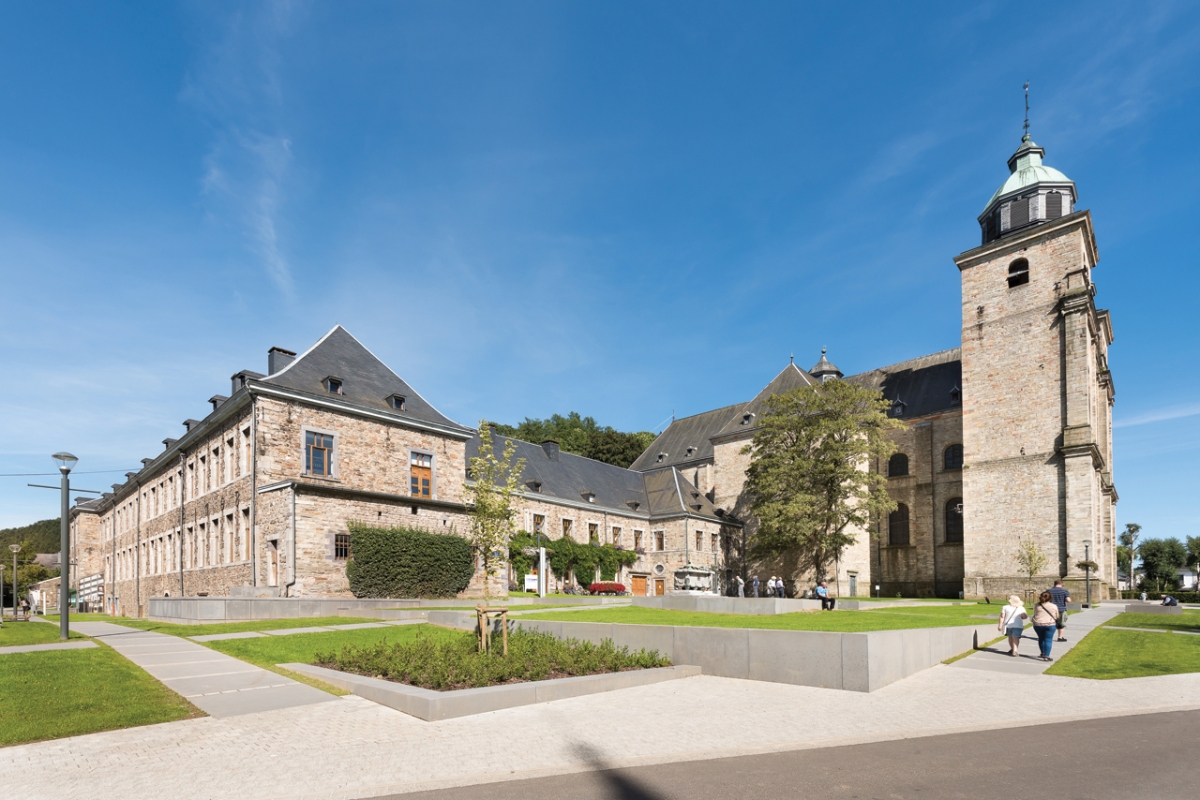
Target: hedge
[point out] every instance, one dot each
(407, 562)
(1183, 597)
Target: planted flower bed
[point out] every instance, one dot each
(607, 587)
(437, 663)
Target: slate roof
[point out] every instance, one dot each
(366, 381)
(564, 476)
(695, 431)
(791, 377)
(925, 385)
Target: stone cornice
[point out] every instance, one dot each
(337, 490)
(267, 390)
(1081, 220)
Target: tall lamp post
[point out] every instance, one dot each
(66, 462)
(1087, 569)
(15, 548)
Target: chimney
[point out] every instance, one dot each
(278, 358)
(168, 442)
(217, 400)
(147, 462)
(551, 448)
(239, 380)
(188, 424)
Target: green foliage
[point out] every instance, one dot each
(1031, 559)
(435, 662)
(565, 555)
(1161, 559)
(1193, 551)
(494, 481)
(583, 437)
(1183, 597)
(29, 571)
(37, 537)
(807, 481)
(1127, 549)
(405, 562)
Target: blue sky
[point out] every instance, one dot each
(624, 209)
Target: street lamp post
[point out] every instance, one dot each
(66, 462)
(15, 548)
(1087, 569)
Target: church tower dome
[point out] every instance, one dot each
(824, 371)
(1033, 194)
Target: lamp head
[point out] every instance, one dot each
(1087, 542)
(66, 461)
(15, 548)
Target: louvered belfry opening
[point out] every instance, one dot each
(1054, 205)
(1018, 213)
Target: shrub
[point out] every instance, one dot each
(566, 555)
(438, 663)
(1183, 597)
(607, 587)
(406, 562)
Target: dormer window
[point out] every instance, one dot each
(588, 496)
(633, 504)
(535, 486)
(747, 418)
(955, 396)
(1018, 273)
(690, 450)
(897, 409)
(333, 384)
(660, 458)
(396, 401)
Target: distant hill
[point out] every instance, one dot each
(42, 535)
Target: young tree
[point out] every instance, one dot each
(494, 481)
(1031, 559)
(1127, 549)
(809, 481)
(1193, 553)
(1161, 561)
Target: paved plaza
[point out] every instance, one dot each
(352, 748)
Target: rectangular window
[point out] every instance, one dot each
(716, 543)
(539, 523)
(593, 533)
(245, 538)
(245, 451)
(318, 454)
(699, 540)
(616, 535)
(637, 540)
(203, 474)
(421, 475)
(567, 528)
(660, 541)
(341, 546)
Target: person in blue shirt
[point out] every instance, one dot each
(827, 603)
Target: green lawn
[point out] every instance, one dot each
(268, 651)
(215, 627)
(1106, 654)
(59, 693)
(844, 621)
(1187, 621)
(14, 633)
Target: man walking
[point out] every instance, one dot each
(754, 587)
(1061, 597)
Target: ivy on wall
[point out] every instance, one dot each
(566, 555)
(406, 562)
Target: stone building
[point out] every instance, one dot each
(1007, 438)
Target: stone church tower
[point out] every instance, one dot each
(1037, 393)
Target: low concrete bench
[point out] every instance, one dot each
(1150, 608)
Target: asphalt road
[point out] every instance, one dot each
(1130, 758)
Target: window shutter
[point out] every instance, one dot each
(1053, 205)
(1019, 212)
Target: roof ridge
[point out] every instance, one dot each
(893, 367)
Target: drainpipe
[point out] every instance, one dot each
(292, 565)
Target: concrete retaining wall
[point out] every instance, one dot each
(713, 604)
(860, 662)
(193, 610)
(430, 705)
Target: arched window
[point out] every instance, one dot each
(898, 526)
(897, 465)
(1018, 273)
(953, 457)
(954, 520)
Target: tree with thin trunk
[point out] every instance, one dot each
(493, 482)
(810, 483)
(1031, 559)
(1127, 550)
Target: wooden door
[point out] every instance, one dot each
(639, 585)
(660, 587)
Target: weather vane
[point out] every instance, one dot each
(1026, 108)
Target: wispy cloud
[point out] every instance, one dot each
(237, 84)
(1159, 415)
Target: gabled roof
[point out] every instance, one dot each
(925, 385)
(694, 431)
(366, 381)
(566, 477)
(791, 378)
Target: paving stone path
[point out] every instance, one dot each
(219, 685)
(995, 658)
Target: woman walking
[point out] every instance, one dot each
(1045, 623)
(1012, 622)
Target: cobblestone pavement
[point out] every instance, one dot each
(352, 748)
(215, 683)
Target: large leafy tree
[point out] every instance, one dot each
(494, 482)
(582, 436)
(1161, 560)
(809, 481)
(1193, 552)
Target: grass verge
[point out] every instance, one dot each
(59, 693)
(841, 621)
(268, 651)
(14, 633)
(1107, 655)
(216, 627)
(1188, 621)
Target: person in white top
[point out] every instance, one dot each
(1012, 622)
